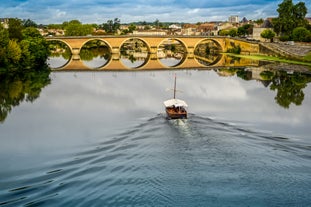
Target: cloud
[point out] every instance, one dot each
(99, 11)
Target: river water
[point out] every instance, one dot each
(102, 139)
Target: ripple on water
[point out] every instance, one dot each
(162, 162)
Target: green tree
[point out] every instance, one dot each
(157, 23)
(14, 52)
(301, 34)
(245, 30)
(112, 26)
(299, 13)
(259, 21)
(29, 23)
(268, 34)
(242, 31)
(4, 41)
(233, 32)
(132, 27)
(76, 28)
(290, 17)
(21, 48)
(223, 32)
(15, 29)
(35, 48)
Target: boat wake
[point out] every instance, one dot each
(160, 162)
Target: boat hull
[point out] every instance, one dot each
(173, 113)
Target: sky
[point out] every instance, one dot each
(99, 11)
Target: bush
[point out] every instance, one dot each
(301, 34)
(268, 34)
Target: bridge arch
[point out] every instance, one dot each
(138, 38)
(63, 41)
(169, 56)
(100, 39)
(207, 51)
(134, 53)
(210, 39)
(63, 63)
(185, 46)
(104, 55)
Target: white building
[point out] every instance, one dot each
(149, 32)
(174, 26)
(234, 19)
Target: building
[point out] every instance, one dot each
(174, 26)
(4, 22)
(209, 29)
(225, 26)
(233, 19)
(190, 29)
(150, 32)
(259, 29)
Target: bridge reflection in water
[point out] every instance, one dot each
(137, 54)
(153, 63)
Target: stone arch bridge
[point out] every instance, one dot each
(153, 42)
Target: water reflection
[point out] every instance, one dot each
(14, 89)
(289, 86)
(208, 52)
(60, 54)
(95, 54)
(134, 53)
(171, 53)
(94, 134)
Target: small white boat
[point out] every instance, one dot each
(175, 108)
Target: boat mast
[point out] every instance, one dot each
(175, 87)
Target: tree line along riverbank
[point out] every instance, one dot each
(22, 48)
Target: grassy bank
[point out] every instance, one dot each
(274, 59)
(307, 57)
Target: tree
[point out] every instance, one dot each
(245, 30)
(156, 23)
(242, 31)
(290, 17)
(4, 41)
(29, 23)
(268, 34)
(259, 21)
(233, 32)
(14, 52)
(301, 34)
(35, 48)
(132, 27)
(15, 29)
(21, 48)
(223, 32)
(299, 13)
(112, 26)
(76, 28)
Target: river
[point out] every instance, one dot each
(100, 137)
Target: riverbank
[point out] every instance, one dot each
(293, 51)
(278, 63)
